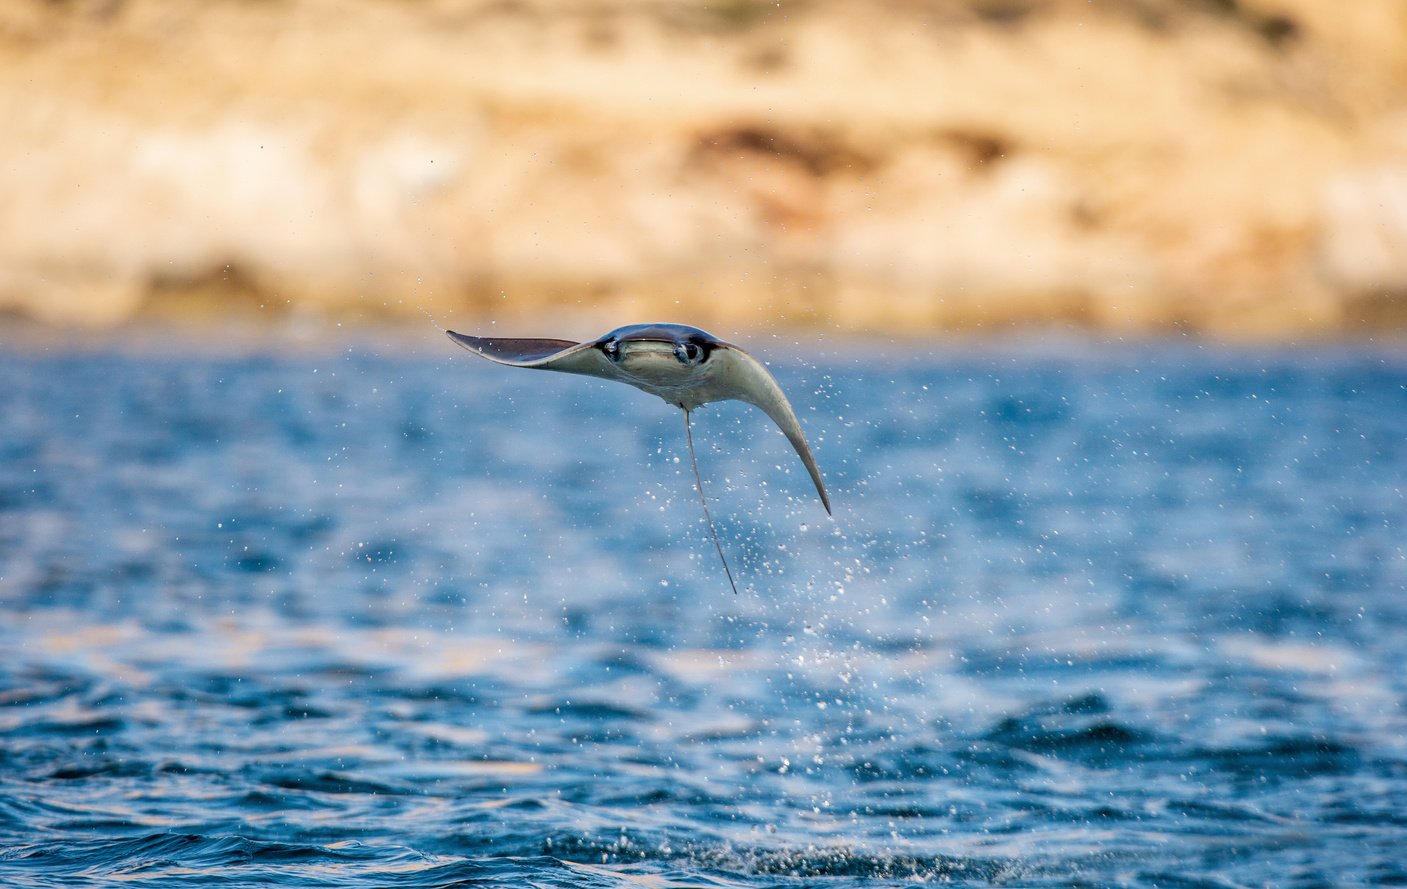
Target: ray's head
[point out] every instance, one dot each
(668, 349)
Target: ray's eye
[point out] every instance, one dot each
(688, 353)
(611, 349)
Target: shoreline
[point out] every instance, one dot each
(1132, 168)
(310, 336)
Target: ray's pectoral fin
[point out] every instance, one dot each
(564, 356)
(748, 380)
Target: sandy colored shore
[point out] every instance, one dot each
(1237, 167)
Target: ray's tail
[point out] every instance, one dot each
(698, 482)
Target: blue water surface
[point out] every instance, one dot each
(383, 614)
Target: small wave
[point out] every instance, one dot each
(1080, 727)
(332, 782)
(1286, 757)
(806, 862)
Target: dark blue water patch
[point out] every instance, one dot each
(1284, 758)
(324, 782)
(1082, 728)
(84, 725)
(228, 860)
(897, 767)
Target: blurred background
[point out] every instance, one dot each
(1231, 167)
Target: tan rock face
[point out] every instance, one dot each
(1132, 165)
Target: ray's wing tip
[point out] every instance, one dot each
(787, 419)
(472, 343)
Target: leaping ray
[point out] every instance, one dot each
(683, 365)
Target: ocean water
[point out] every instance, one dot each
(1088, 614)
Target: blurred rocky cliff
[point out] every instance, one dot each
(1231, 166)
